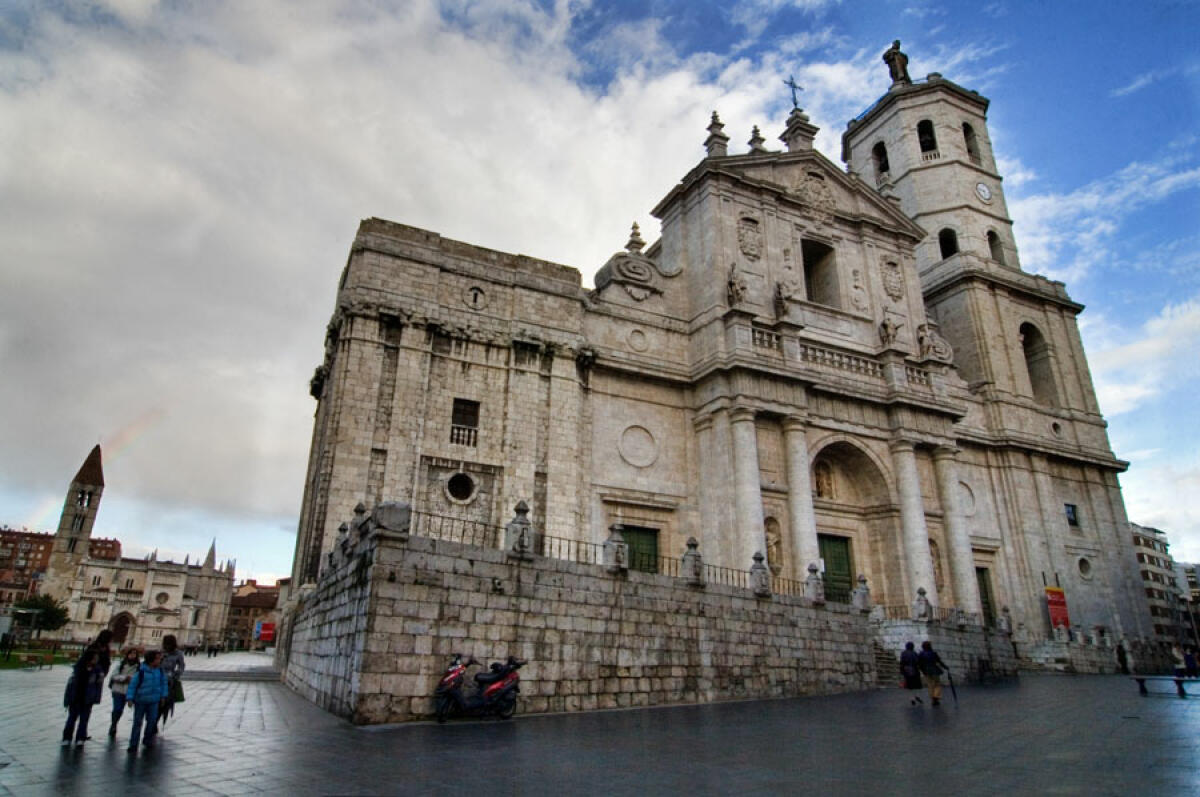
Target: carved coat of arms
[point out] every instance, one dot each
(749, 237)
(892, 278)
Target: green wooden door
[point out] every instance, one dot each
(839, 568)
(643, 548)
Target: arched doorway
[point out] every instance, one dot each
(120, 626)
(857, 522)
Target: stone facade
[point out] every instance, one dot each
(140, 600)
(840, 368)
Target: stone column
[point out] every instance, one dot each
(912, 520)
(748, 536)
(962, 562)
(801, 520)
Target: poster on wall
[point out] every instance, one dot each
(266, 632)
(1056, 603)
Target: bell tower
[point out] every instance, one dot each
(925, 146)
(75, 526)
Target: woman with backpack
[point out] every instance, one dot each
(146, 689)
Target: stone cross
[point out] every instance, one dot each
(791, 84)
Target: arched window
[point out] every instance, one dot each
(994, 247)
(1038, 365)
(948, 241)
(91, 609)
(820, 273)
(926, 137)
(972, 143)
(879, 155)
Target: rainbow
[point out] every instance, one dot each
(46, 512)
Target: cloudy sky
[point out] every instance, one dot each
(180, 183)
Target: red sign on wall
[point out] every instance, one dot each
(1056, 603)
(266, 632)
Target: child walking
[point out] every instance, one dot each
(119, 685)
(146, 689)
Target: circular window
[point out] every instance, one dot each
(1056, 428)
(1085, 568)
(162, 598)
(460, 487)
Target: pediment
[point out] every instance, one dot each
(819, 189)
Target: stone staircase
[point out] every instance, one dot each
(887, 666)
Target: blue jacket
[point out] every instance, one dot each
(148, 685)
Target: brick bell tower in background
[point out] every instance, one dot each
(75, 526)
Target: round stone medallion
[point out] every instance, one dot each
(638, 447)
(638, 340)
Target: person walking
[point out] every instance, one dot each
(146, 690)
(173, 666)
(83, 691)
(910, 674)
(118, 684)
(931, 666)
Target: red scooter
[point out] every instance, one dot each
(495, 691)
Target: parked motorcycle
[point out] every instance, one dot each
(495, 690)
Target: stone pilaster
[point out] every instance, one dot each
(912, 520)
(962, 562)
(747, 535)
(801, 520)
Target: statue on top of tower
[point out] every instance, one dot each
(897, 64)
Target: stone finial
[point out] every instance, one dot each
(616, 550)
(518, 533)
(1004, 621)
(800, 132)
(635, 242)
(717, 143)
(861, 596)
(392, 516)
(756, 141)
(360, 510)
(760, 577)
(692, 564)
(814, 584)
(922, 611)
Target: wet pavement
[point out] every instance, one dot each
(1089, 735)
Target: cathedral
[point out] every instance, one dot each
(139, 600)
(844, 369)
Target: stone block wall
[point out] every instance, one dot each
(961, 647)
(371, 642)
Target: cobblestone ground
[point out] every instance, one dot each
(1088, 735)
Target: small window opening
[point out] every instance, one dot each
(820, 273)
(1072, 515)
(926, 136)
(972, 143)
(71, 544)
(464, 422)
(77, 523)
(994, 247)
(1038, 365)
(948, 241)
(129, 583)
(91, 609)
(461, 487)
(95, 581)
(880, 156)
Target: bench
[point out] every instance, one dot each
(31, 660)
(1179, 682)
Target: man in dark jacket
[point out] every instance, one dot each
(931, 666)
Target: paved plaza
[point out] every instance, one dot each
(1042, 735)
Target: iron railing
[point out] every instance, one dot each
(486, 535)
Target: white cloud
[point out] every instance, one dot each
(1153, 498)
(1128, 370)
(1065, 235)
(1145, 79)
